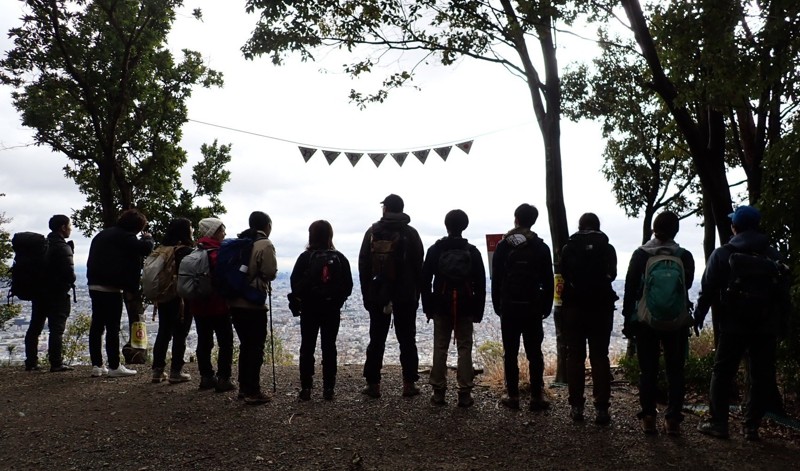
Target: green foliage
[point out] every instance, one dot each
(490, 351)
(97, 83)
(76, 338)
(7, 311)
(282, 356)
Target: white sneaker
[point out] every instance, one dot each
(120, 372)
(98, 371)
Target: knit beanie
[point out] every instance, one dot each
(209, 226)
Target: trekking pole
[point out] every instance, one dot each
(272, 338)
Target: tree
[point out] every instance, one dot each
(97, 84)
(7, 311)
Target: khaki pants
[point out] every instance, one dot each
(442, 331)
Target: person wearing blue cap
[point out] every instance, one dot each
(744, 286)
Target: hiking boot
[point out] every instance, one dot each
(176, 377)
(410, 389)
(305, 394)
(512, 402)
(750, 433)
(713, 429)
(60, 368)
(437, 398)
(538, 402)
(327, 394)
(224, 385)
(602, 417)
(206, 382)
(372, 390)
(257, 398)
(672, 427)
(649, 425)
(33, 368)
(576, 413)
(465, 399)
(158, 375)
(98, 371)
(119, 372)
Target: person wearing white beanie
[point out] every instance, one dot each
(209, 226)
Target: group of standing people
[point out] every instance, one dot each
(449, 279)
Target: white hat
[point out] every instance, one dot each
(209, 226)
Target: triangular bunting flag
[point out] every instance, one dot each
(465, 146)
(353, 157)
(306, 152)
(330, 155)
(377, 158)
(400, 157)
(422, 155)
(443, 152)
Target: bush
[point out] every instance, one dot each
(76, 338)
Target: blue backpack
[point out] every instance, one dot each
(230, 275)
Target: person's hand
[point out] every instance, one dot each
(629, 329)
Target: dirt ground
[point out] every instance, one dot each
(72, 421)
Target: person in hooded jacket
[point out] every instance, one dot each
(453, 308)
(522, 295)
(739, 332)
(649, 341)
(398, 298)
(212, 317)
(588, 265)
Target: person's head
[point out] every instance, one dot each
(211, 227)
(179, 232)
(666, 225)
(258, 221)
(132, 220)
(392, 204)
(589, 222)
(60, 224)
(745, 218)
(526, 215)
(320, 235)
(456, 221)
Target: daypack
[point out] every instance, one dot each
(753, 283)
(325, 279)
(521, 285)
(664, 305)
(386, 257)
(194, 275)
(30, 265)
(160, 274)
(588, 271)
(230, 275)
(453, 278)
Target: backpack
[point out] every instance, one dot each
(230, 276)
(194, 275)
(753, 284)
(453, 272)
(159, 275)
(664, 304)
(386, 256)
(588, 270)
(28, 272)
(325, 279)
(521, 286)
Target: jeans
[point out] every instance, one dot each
(529, 326)
(106, 315)
(442, 331)
(206, 327)
(675, 344)
(326, 324)
(172, 325)
(730, 350)
(251, 327)
(405, 329)
(54, 309)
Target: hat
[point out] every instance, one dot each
(393, 203)
(209, 226)
(745, 217)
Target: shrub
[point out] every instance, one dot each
(75, 338)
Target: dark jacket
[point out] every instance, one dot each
(634, 277)
(214, 305)
(597, 296)
(406, 292)
(115, 259)
(60, 274)
(300, 288)
(433, 298)
(543, 270)
(715, 281)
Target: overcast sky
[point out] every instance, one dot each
(308, 104)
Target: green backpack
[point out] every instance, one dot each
(664, 305)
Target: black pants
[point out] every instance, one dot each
(730, 350)
(405, 329)
(649, 343)
(326, 324)
(582, 326)
(106, 315)
(251, 327)
(529, 326)
(172, 325)
(53, 308)
(207, 327)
